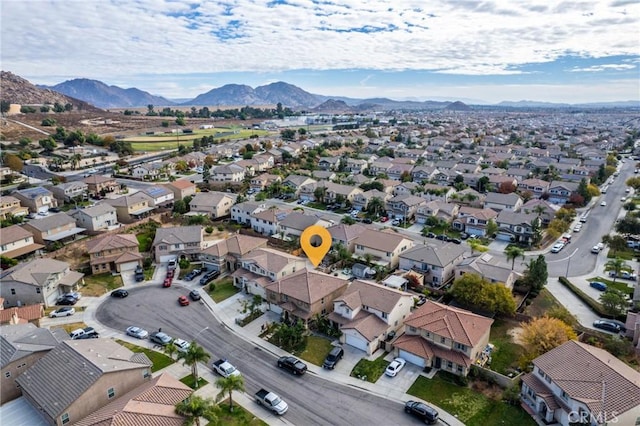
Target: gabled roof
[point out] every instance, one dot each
(33, 193)
(178, 235)
(35, 272)
(52, 221)
(298, 221)
(95, 211)
(237, 245)
(113, 241)
(495, 197)
(271, 215)
(97, 179)
(59, 378)
(376, 296)
(270, 260)
(386, 240)
(453, 323)
(307, 286)
(343, 232)
(21, 340)
(14, 233)
(515, 218)
(434, 255)
(182, 184)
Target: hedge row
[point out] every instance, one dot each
(594, 305)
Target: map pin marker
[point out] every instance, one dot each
(316, 242)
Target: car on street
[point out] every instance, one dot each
(557, 247)
(456, 241)
(162, 339)
(194, 295)
(335, 354)
(395, 222)
(137, 332)
(121, 293)
(394, 368)
(430, 235)
(384, 219)
(608, 325)
(623, 199)
(422, 411)
(293, 365)
(62, 312)
(577, 228)
(167, 282)
(598, 285)
(624, 275)
(183, 301)
(181, 345)
(191, 275)
(603, 203)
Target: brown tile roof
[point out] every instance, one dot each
(424, 349)
(151, 404)
(14, 233)
(376, 296)
(114, 241)
(456, 324)
(344, 232)
(182, 184)
(307, 286)
(368, 325)
(541, 390)
(27, 313)
(237, 245)
(386, 240)
(587, 373)
(271, 260)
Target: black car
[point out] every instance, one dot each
(209, 276)
(66, 300)
(367, 220)
(194, 295)
(292, 364)
(431, 235)
(608, 325)
(55, 210)
(191, 275)
(422, 411)
(334, 356)
(121, 293)
(139, 274)
(441, 237)
(455, 241)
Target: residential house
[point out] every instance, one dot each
(55, 228)
(262, 266)
(537, 187)
(500, 183)
(499, 202)
(241, 212)
(17, 242)
(440, 209)
(153, 171)
(404, 207)
(471, 198)
(474, 221)
(96, 372)
(295, 223)
(436, 262)
(368, 314)
(227, 173)
(182, 242)
(151, 403)
(38, 281)
(213, 204)
(345, 235)
(99, 186)
(10, 207)
(560, 192)
(304, 295)
(356, 165)
(325, 175)
(488, 268)
(396, 171)
(380, 166)
(69, 191)
(329, 163)
(361, 200)
(443, 337)
(335, 192)
(114, 253)
(98, 218)
(544, 209)
(37, 199)
(225, 255)
(181, 189)
(159, 196)
(297, 182)
(20, 314)
(517, 227)
(407, 188)
(130, 208)
(423, 173)
(384, 247)
(267, 222)
(22, 346)
(8, 176)
(576, 383)
(258, 183)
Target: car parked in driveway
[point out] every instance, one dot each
(598, 285)
(335, 355)
(66, 301)
(137, 332)
(209, 276)
(394, 368)
(160, 338)
(608, 325)
(422, 411)
(191, 275)
(62, 312)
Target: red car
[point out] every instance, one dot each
(170, 274)
(167, 282)
(384, 219)
(183, 301)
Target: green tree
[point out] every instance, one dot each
(170, 350)
(195, 407)
(477, 246)
(192, 357)
(180, 121)
(376, 206)
(613, 302)
(320, 193)
(49, 145)
(227, 385)
(492, 228)
(616, 265)
(512, 253)
(4, 106)
(536, 274)
(473, 290)
(348, 220)
(7, 262)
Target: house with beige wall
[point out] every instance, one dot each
(16, 241)
(114, 253)
(10, 206)
(384, 246)
(130, 208)
(37, 199)
(213, 204)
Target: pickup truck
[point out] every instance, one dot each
(224, 368)
(292, 364)
(271, 401)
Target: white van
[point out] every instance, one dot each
(76, 334)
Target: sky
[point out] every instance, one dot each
(485, 51)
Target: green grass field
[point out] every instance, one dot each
(170, 141)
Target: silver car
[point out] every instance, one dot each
(137, 332)
(160, 338)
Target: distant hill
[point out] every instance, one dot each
(458, 106)
(333, 106)
(287, 94)
(17, 90)
(538, 104)
(104, 96)
(236, 94)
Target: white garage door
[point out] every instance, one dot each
(357, 342)
(128, 266)
(504, 237)
(166, 258)
(413, 359)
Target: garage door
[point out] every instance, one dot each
(128, 266)
(357, 342)
(167, 258)
(413, 359)
(504, 237)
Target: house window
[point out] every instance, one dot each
(7, 374)
(13, 291)
(111, 393)
(412, 329)
(38, 290)
(385, 315)
(146, 373)
(449, 365)
(442, 340)
(65, 418)
(565, 396)
(459, 369)
(461, 347)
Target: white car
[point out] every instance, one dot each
(394, 368)
(182, 345)
(604, 203)
(577, 228)
(137, 332)
(557, 247)
(62, 312)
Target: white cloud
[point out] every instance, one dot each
(604, 67)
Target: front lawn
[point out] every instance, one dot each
(223, 289)
(370, 370)
(97, 285)
(71, 326)
(620, 285)
(189, 381)
(158, 359)
(317, 350)
(238, 417)
(470, 407)
(145, 239)
(506, 353)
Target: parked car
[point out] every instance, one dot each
(271, 401)
(181, 345)
(170, 273)
(167, 282)
(395, 222)
(577, 228)
(335, 354)
(608, 325)
(384, 219)
(183, 301)
(441, 237)
(422, 411)
(604, 203)
(137, 332)
(173, 263)
(139, 274)
(430, 235)
(224, 368)
(191, 275)
(162, 339)
(62, 312)
(557, 248)
(84, 333)
(456, 241)
(624, 275)
(367, 220)
(65, 300)
(209, 276)
(394, 368)
(194, 295)
(121, 293)
(292, 364)
(598, 285)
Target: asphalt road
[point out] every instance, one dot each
(312, 400)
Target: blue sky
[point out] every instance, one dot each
(572, 51)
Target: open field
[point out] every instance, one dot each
(167, 141)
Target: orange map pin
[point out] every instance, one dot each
(316, 242)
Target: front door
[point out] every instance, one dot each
(438, 362)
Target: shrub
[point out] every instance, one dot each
(208, 229)
(184, 263)
(147, 262)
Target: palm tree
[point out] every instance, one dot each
(368, 257)
(227, 385)
(512, 253)
(170, 350)
(616, 265)
(375, 206)
(192, 357)
(195, 407)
